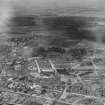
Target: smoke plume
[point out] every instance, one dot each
(6, 12)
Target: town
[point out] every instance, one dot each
(52, 80)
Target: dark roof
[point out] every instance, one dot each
(62, 71)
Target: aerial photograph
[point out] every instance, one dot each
(52, 52)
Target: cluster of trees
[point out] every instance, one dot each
(21, 39)
(41, 51)
(78, 53)
(75, 53)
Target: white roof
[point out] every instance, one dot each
(45, 69)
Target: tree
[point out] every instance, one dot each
(42, 52)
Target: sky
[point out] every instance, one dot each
(61, 3)
(28, 5)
